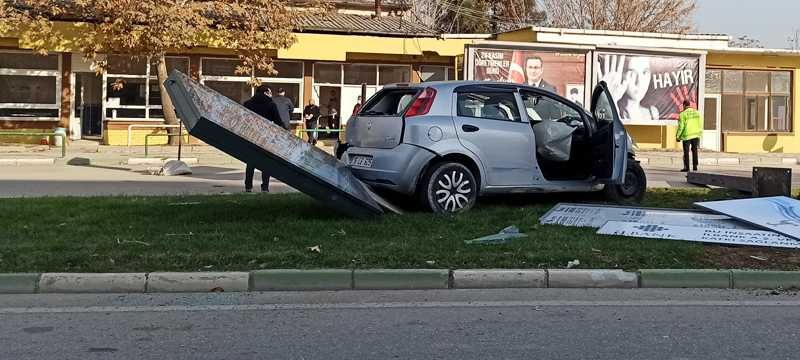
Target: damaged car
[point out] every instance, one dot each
(448, 143)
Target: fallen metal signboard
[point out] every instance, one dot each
(778, 213)
(245, 135)
(587, 215)
(705, 235)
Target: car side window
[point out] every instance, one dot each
(543, 108)
(488, 105)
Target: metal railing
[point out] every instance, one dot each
(150, 126)
(180, 141)
(23, 133)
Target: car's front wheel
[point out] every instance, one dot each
(448, 188)
(634, 187)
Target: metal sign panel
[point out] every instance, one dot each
(587, 215)
(778, 213)
(705, 235)
(230, 127)
(769, 181)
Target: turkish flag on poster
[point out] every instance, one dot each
(516, 72)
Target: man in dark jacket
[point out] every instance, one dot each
(311, 117)
(285, 107)
(261, 103)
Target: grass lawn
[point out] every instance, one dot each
(247, 231)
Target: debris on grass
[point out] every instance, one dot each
(573, 263)
(341, 232)
(184, 234)
(132, 242)
(315, 249)
(503, 237)
(759, 258)
(431, 262)
(185, 203)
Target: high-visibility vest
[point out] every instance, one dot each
(690, 125)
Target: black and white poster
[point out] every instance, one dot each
(649, 89)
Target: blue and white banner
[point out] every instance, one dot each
(778, 213)
(588, 215)
(698, 234)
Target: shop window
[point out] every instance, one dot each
(754, 100)
(132, 92)
(238, 91)
(219, 67)
(140, 94)
(28, 61)
(435, 73)
(28, 89)
(29, 86)
(284, 69)
(390, 74)
(327, 73)
(357, 74)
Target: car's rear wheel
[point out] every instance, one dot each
(634, 187)
(448, 188)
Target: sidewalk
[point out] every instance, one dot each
(675, 158)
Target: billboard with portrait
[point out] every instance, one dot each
(557, 71)
(649, 89)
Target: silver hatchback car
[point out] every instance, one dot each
(447, 143)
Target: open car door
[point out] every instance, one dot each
(610, 141)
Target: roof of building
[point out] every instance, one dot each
(363, 24)
(624, 33)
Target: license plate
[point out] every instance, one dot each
(361, 160)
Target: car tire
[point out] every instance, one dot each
(448, 188)
(632, 191)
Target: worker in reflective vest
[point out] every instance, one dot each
(690, 129)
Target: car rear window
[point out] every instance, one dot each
(389, 102)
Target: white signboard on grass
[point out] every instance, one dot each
(778, 213)
(587, 215)
(698, 234)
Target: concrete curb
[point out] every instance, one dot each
(499, 278)
(21, 162)
(290, 279)
(198, 282)
(400, 279)
(92, 283)
(592, 279)
(19, 283)
(390, 279)
(685, 278)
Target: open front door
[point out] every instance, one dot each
(610, 139)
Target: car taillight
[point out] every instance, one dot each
(422, 104)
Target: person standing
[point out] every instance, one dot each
(357, 107)
(261, 103)
(690, 129)
(285, 108)
(311, 117)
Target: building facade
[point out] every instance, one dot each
(749, 97)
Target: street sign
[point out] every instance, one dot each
(778, 213)
(705, 235)
(243, 134)
(589, 215)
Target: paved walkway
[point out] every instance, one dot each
(93, 180)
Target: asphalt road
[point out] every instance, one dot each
(450, 324)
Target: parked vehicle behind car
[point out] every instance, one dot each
(447, 143)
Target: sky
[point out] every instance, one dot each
(770, 21)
